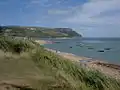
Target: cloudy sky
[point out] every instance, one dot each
(92, 18)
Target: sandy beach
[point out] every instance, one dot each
(69, 56)
(109, 69)
(41, 42)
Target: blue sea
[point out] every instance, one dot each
(106, 49)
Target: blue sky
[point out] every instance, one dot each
(92, 18)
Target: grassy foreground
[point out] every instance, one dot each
(26, 62)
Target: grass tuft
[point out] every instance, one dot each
(15, 45)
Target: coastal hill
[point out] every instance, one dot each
(42, 32)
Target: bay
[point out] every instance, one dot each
(98, 49)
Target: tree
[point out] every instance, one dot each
(1, 30)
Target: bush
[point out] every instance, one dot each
(15, 45)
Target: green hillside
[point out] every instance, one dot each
(25, 65)
(42, 32)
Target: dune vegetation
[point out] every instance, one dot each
(23, 61)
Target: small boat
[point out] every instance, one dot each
(100, 51)
(107, 48)
(70, 47)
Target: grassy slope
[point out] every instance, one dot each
(46, 71)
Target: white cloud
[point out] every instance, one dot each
(46, 3)
(91, 13)
(41, 3)
(38, 1)
(58, 12)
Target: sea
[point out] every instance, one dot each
(104, 49)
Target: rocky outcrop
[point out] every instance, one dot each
(68, 31)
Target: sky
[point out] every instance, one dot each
(91, 18)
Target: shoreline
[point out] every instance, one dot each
(90, 63)
(79, 58)
(69, 56)
(112, 70)
(42, 42)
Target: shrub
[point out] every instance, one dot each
(15, 45)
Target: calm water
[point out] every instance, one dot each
(112, 55)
